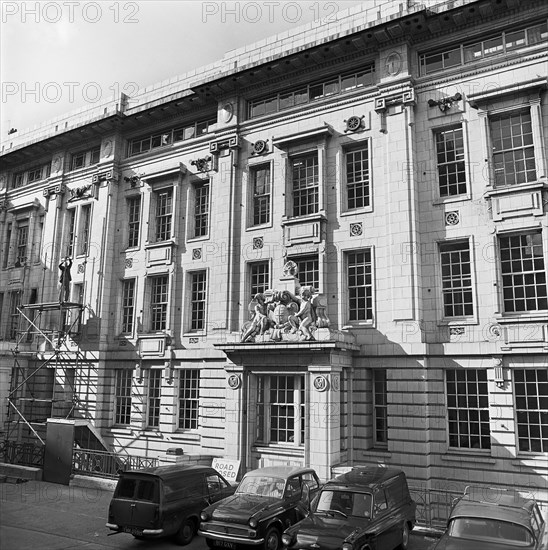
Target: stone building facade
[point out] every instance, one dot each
(394, 162)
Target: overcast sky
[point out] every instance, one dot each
(57, 56)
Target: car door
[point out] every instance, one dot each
(217, 488)
(385, 524)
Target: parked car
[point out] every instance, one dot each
(266, 501)
(504, 521)
(165, 500)
(367, 508)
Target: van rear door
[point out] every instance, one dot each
(136, 503)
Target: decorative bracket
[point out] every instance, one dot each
(445, 103)
(202, 164)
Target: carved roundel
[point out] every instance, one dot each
(107, 148)
(320, 382)
(228, 112)
(353, 124)
(234, 381)
(393, 64)
(260, 147)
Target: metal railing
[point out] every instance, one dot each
(23, 454)
(433, 506)
(104, 464)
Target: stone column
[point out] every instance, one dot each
(323, 423)
(236, 415)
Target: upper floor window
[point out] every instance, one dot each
(523, 273)
(306, 185)
(497, 44)
(468, 409)
(163, 214)
(513, 150)
(380, 408)
(450, 161)
(84, 229)
(360, 285)
(358, 192)
(189, 399)
(85, 158)
(170, 136)
(260, 179)
(281, 404)
(198, 300)
(36, 173)
(531, 390)
(122, 396)
(201, 209)
(159, 301)
(456, 279)
(128, 305)
(154, 397)
(260, 277)
(308, 270)
(312, 92)
(22, 242)
(134, 220)
(71, 228)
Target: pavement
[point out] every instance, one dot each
(47, 516)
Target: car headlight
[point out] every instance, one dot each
(347, 546)
(287, 539)
(204, 516)
(253, 523)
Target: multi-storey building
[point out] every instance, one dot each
(392, 162)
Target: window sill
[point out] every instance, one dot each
(277, 448)
(288, 220)
(481, 455)
(507, 318)
(531, 461)
(259, 227)
(456, 322)
(358, 325)
(185, 435)
(516, 188)
(440, 201)
(198, 239)
(357, 211)
(159, 244)
(122, 429)
(151, 432)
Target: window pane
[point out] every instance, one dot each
(468, 409)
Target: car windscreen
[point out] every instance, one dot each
(488, 529)
(138, 489)
(262, 485)
(347, 502)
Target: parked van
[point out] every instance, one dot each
(165, 501)
(367, 508)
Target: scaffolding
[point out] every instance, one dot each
(47, 349)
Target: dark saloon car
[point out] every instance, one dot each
(365, 509)
(266, 502)
(503, 521)
(165, 501)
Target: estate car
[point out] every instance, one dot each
(266, 502)
(165, 500)
(494, 519)
(367, 508)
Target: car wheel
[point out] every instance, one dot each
(272, 540)
(405, 537)
(186, 532)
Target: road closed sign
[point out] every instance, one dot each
(227, 468)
